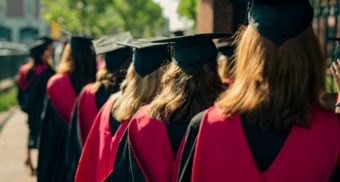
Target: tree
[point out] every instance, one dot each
(188, 9)
(98, 17)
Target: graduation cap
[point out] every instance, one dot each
(280, 20)
(148, 56)
(47, 39)
(193, 51)
(226, 48)
(115, 54)
(336, 53)
(37, 48)
(80, 44)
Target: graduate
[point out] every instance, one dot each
(77, 68)
(151, 147)
(32, 81)
(94, 95)
(139, 88)
(271, 124)
(225, 62)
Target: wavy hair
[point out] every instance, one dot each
(183, 95)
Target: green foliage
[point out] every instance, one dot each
(188, 9)
(8, 99)
(98, 17)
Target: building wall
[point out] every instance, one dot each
(22, 19)
(220, 15)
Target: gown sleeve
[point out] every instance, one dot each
(73, 145)
(185, 168)
(51, 158)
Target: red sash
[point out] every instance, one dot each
(151, 148)
(87, 111)
(222, 152)
(62, 95)
(99, 152)
(23, 70)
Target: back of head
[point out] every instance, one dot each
(185, 94)
(139, 90)
(276, 84)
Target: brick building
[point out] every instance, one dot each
(20, 20)
(227, 15)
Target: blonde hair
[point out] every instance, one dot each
(137, 91)
(276, 84)
(183, 95)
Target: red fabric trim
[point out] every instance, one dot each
(151, 147)
(99, 152)
(62, 95)
(87, 111)
(222, 152)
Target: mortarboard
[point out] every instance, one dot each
(148, 56)
(226, 48)
(193, 51)
(336, 53)
(115, 54)
(280, 20)
(37, 48)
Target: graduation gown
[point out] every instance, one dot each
(150, 150)
(62, 90)
(221, 149)
(82, 118)
(99, 151)
(29, 96)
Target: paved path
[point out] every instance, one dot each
(13, 142)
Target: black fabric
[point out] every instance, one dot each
(185, 167)
(31, 102)
(336, 54)
(51, 159)
(102, 95)
(115, 59)
(260, 143)
(176, 131)
(114, 125)
(125, 168)
(73, 145)
(264, 144)
(280, 21)
(77, 82)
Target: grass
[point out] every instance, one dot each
(8, 99)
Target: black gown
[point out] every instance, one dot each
(264, 145)
(74, 144)
(52, 146)
(125, 165)
(31, 102)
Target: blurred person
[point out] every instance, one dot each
(32, 81)
(225, 62)
(335, 70)
(271, 124)
(94, 95)
(153, 142)
(139, 88)
(76, 69)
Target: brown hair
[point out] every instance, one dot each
(137, 91)
(225, 67)
(276, 85)
(183, 95)
(83, 64)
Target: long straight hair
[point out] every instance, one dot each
(276, 85)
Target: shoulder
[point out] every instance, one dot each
(325, 119)
(143, 120)
(57, 79)
(88, 89)
(24, 68)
